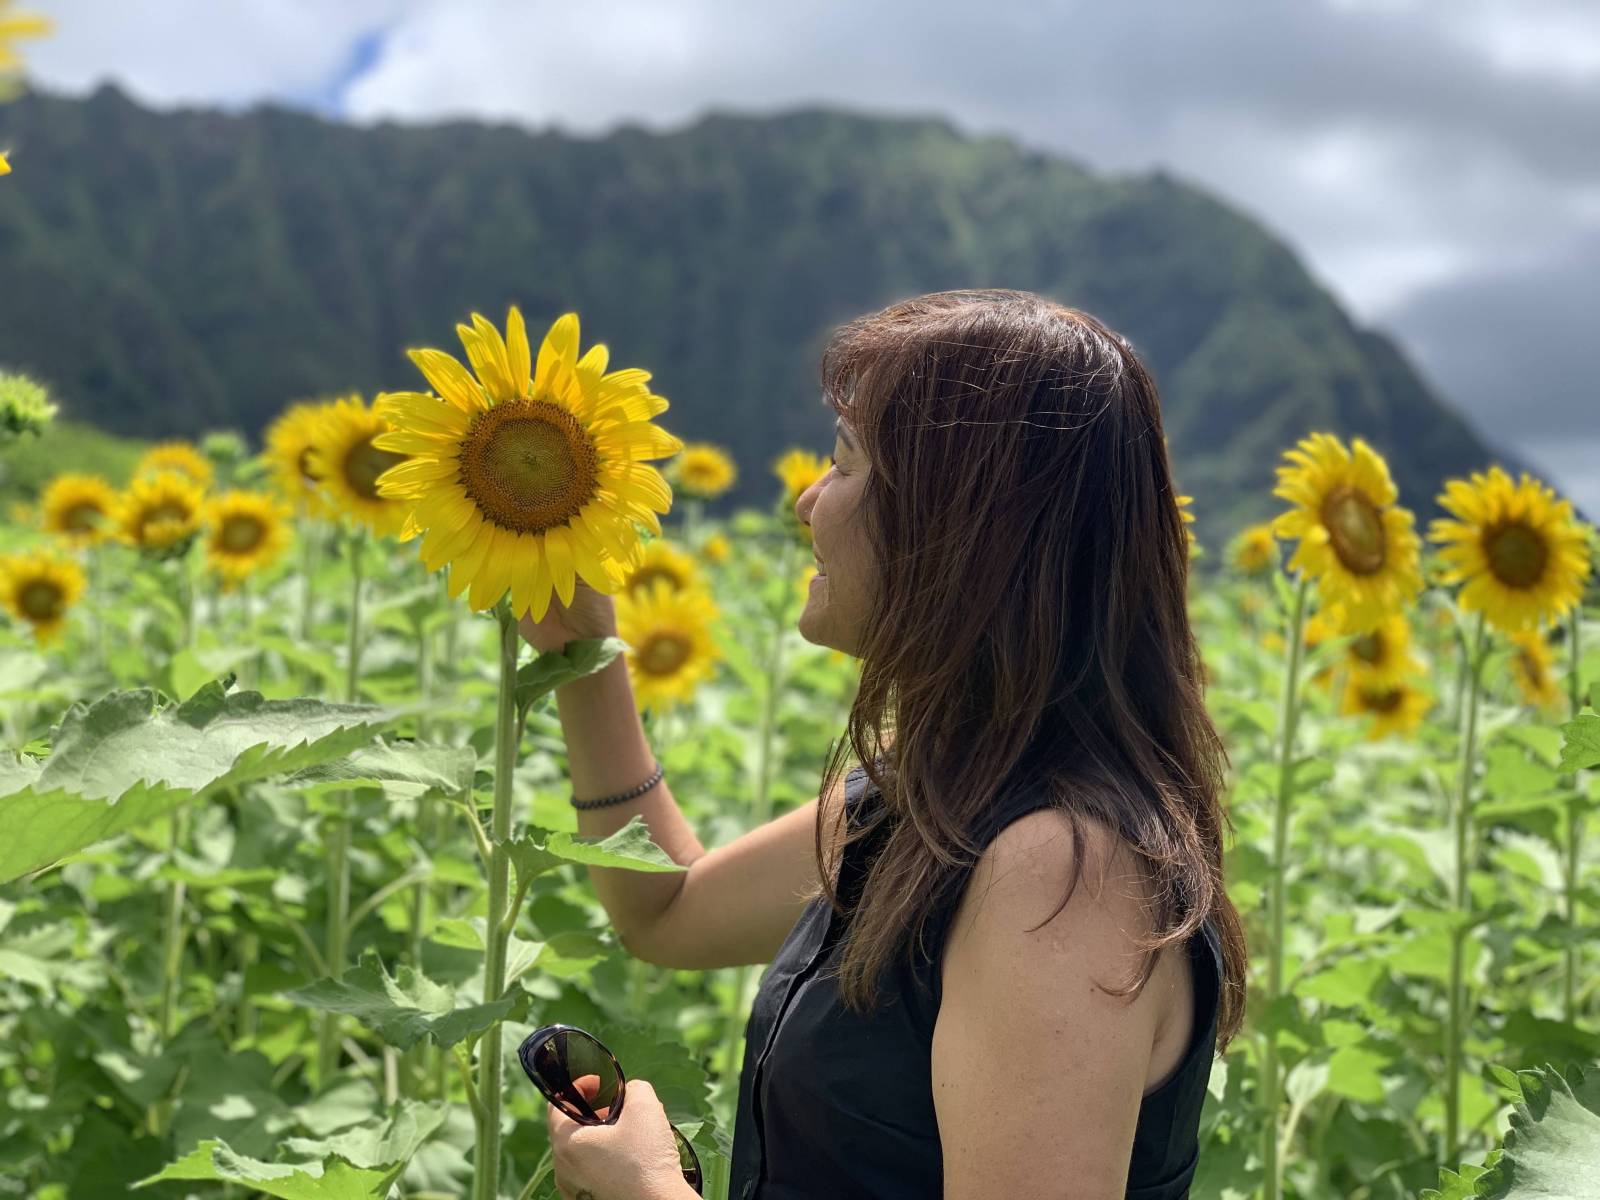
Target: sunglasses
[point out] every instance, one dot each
(575, 1072)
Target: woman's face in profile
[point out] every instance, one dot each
(839, 597)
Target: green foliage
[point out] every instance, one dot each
(162, 987)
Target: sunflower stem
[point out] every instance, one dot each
(172, 935)
(1461, 894)
(310, 545)
(1289, 717)
(100, 606)
(1574, 954)
(486, 1164)
(337, 838)
(417, 1059)
(734, 1034)
(352, 679)
(245, 1018)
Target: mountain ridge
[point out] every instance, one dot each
(190, 268)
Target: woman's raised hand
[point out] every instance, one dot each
(591, 614)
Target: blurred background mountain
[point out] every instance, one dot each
(171, 272)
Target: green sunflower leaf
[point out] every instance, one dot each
(628, 849)
(335, 1179)
(405, 1009)
(1580, 748)
(583, 656)
(122, 761)
(1551, 1149)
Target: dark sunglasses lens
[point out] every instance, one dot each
(688, 1160)
(579, 1072)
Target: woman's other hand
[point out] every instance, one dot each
(591, 614)
(635, 1159)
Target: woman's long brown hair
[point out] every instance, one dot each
(1030, 625)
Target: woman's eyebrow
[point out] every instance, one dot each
(839, 428)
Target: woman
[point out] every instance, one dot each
(999, 543)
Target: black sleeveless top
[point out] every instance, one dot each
(835, 1106)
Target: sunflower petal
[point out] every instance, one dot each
(559, 350)
(559, 550)
(489, 582)
(450, 379)
(518, 357)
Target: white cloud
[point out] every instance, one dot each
(1409, 149)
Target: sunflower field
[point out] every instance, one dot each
(288, 860)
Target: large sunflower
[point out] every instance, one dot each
(1255, 550)
(1518, 552)
(246, 531)
(346, 459)
(1533, 666)
(288, 452)
(1354, 539)
(703, 470)
(663, 560)
(527, 475)
(39, 588)
(1395, 709)
(159, 511)
(79, 508)
(183, 457)
(670, 647)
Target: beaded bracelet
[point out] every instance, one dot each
(630, 794)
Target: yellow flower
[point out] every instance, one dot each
(39, 588)
(347, 459)
(663, 560)
(703, 470)
(798, 470)
(79, 508)
(1533, 667)
(670, 647)
(5, 167)
(182, 457)
(289, 453)
(527, 474)
(1183, 503)
(1255, 550)
(159, 511)
(1394, 708)
(1382, 656)
(1357, 543)
(18, 25)
(716, 548)
(1518, 552)
(247, 531)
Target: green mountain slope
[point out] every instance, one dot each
(172, 271)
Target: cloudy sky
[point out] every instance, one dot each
(1436, 162)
